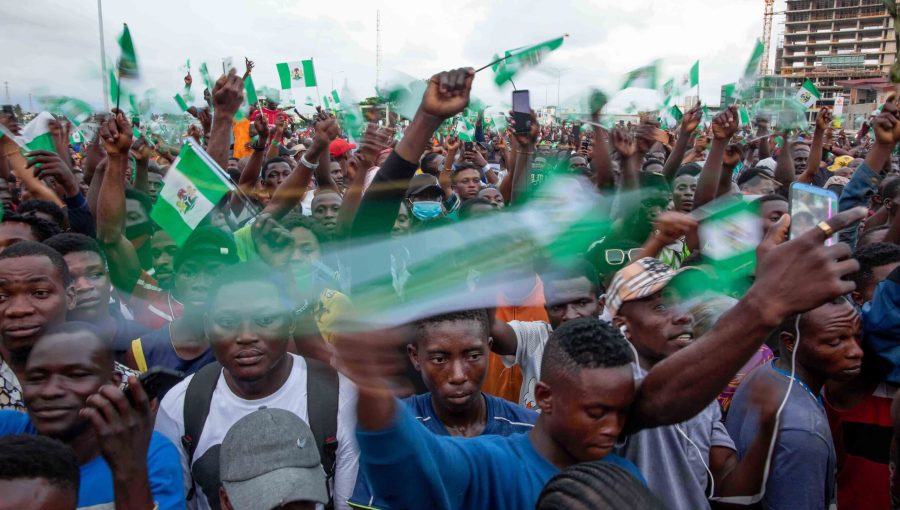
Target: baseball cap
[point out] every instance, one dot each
(769, 163)
(754, 172)
(422, 182)
(297, 148)
(339, 147)
(269, 458)
(208, 241)
(840, 162)
(647, 276)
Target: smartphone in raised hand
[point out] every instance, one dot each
(521, 106)
(808, 206)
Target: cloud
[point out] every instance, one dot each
(55, 49)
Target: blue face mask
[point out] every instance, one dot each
(427, 210)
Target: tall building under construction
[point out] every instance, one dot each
(846, 47)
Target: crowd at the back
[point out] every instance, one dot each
(232, 370)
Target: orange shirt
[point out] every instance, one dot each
(507, 382)
(241, 131)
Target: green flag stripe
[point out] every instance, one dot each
(309, 73)
(284, 75)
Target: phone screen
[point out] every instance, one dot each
(808, 206)
(521, 102)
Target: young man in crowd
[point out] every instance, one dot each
(586, 388)
(450, 352)
(572, 293)
(37, 473)
(90, 275)
(819, 345)
(182, 344)
(249, 320)
(71, 393)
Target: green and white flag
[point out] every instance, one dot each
(191, 188)
(181, 102)
(250, 90)
(36, 134)
(522, 58)
(465, 130)
(127, 65)
(207, 79)
(643, 77)
(729, 236)
(668, 92)
(745, 86)
(808, 94)
(692, 78)
(672, 117)
(326, 101)
(76, 110)
(335, 97)
(296, 74)
(743, 116)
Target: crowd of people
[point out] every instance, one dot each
(361, 322)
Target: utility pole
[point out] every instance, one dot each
(6, 85)
(103, 76)
(377, 49)
(30, 104)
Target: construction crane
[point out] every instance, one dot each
(767, 36)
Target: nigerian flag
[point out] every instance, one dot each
(744, 87)
(743, 116)
(296, 74)
(808, 94)
(181, 102)
(250, 90)
(692, 77)
(36, 134)
(522, 58)
(642, 77)
(76, 110)
(191, 188)
(335, 97)
(465, 130)
(127, 65)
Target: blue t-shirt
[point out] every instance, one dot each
(158, 352)
(503, 419)
(803, 466)
(409, 467)
(96, 485)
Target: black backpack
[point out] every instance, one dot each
(322, 406)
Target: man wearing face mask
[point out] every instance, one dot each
(424, 199)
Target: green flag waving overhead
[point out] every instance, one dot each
(127, 65)
(296, 74)
(643, 77)
(36, 134)
(743, 116)
(335, 97)
(207, 79)
(808, 94)
(250, 90)
(522, 58)
(692, 78)
(465, 130)
(191, 188)
(744, 87)
(181, 102)
(76, 110)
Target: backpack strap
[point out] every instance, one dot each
(322, 405)
(197, 399)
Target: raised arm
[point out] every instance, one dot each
(784, 165)
(446, 95)
(689, 123)
(250, 174)
(526, 143)
(823, 120)
(291, 191)
(681, 385)
(762, 129)
(451, 143)
(124, 265)
(227, 95)
(723, 128)
(142, 152)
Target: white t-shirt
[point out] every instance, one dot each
(531, 337)
(226, 408)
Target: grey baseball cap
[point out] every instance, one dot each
(269, 458)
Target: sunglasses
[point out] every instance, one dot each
(616, 257)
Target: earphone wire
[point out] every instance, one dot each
(749, 500)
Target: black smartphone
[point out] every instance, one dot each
(521, 106)
(468, 146)
(157, 381)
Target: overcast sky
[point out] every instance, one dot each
(52, 47)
